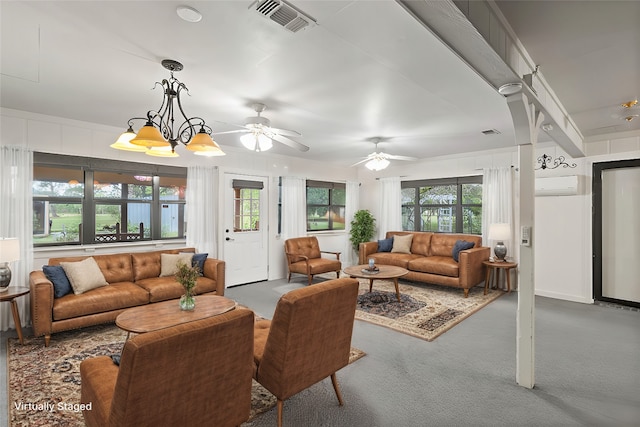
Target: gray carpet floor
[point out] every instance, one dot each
(587, 370)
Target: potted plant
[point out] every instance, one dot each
(187, 277)
(363, 228)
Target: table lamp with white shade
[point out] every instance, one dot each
(9, 252)
(500, 232)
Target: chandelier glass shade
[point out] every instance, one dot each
(161, 130)
(256, 141)
(377, 164)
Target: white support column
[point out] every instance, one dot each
(527, 123)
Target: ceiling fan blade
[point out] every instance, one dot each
(285, 132)
(392, 157)
(231, 131)
(291, 143)
(361, 161)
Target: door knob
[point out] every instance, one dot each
(229, 239)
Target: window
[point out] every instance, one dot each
(452, 205)
(325, 205)
(246, 205)
(82, 200)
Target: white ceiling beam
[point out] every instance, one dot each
(480, 35)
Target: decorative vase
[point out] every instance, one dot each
(187, 301)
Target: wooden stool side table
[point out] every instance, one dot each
(10, 295)
(497, 266)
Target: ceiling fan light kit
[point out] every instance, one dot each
(377, 164)
(159, 136)
(256, 141)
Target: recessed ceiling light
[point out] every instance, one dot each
(510, 88)
(188, 14)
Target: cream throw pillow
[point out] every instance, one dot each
(169, 263)
(84, 275)
(402, 244)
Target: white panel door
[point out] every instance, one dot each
(245, 233)
(620, 232)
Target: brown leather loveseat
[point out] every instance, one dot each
(430, 258)
(133, 279)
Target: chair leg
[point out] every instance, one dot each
(280, 408)
(289, 278)
(310, 276)
(336, 387)
(338, 274)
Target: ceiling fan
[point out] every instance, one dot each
(377, 161)
(258, 133)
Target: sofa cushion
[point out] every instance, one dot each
(115, 267)
(460, 245)
(57, 276)
(441, 265)
(169, 263)
(145, 265)
(84, 275)
(442, 243)
(385, 245)
(421, 243)
(402, 244)
(116, 296)
(390, 258)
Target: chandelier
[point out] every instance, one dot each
(159, 136)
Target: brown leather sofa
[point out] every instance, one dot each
(134, 279)
(193, 374)
(431, 259)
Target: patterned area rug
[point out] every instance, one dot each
(424, 311)
(44, 383)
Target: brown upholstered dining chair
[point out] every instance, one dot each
(305, 257)
(193, 374)
(308, 340)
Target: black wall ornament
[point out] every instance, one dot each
(546, 162)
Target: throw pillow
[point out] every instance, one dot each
(198, 260)
(385, 245)
(84, 275)
(460, 245)
(402, 244)
(169, 263)
(57, 276)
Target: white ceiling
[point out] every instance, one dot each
(368, 69)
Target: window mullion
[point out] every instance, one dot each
(88, 210)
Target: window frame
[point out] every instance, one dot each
(458, 207)
(88, 202)
(330, 206)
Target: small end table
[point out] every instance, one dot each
(10, 295)
(497, 266)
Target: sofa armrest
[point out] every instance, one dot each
(365, 249)
(215, 269)
(471, 267)
(41, 298)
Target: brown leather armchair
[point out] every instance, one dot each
(308, 340)
(196, 374)
(305, 257)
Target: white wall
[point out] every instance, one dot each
(63, 136)
(562, 233)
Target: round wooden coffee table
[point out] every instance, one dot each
(384, 272)
(160, 315)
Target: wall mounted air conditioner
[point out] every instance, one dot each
(557, 186)
(284, 14)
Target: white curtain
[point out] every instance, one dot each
(497, 204)
(202, 209)
(352, 204)
(16, 213)
(390, 212)
(294, 207)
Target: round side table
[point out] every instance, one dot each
(497, 266)
(10, 295)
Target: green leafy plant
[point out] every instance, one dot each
(363, 228)
(187, 276)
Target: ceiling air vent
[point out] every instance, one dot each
(283, 14)
(491, 132)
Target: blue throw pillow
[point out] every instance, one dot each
(57, 276)
(198, 260)
(385, 245)
(461, 245)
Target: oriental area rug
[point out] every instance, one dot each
(424, 311)
(46, 381)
